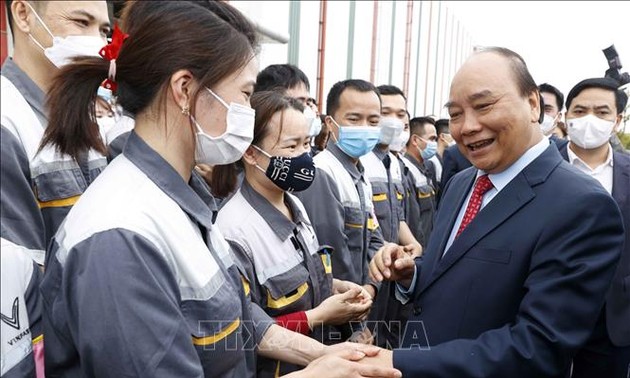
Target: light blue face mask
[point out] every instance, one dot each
(357, 141)
(429, 151)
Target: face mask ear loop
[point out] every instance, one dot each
(194, 121)
(338, 128)
(40, 21)
(218, 98)
(264, 153)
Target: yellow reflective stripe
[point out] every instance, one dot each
(277, 370)
(327, 264)
(70, 201)
(354, 225)
(379, 197)
(246, 288)
(38, 339)
(425, 195)
(201, 341)
(399, 196)
(371, 224)
(285, 301)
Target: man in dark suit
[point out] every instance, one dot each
(524, 247)
(452, 162)
(594, 112)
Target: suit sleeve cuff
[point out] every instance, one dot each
(404, 294)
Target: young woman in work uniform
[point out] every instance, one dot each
(287, 272)
(139, 281)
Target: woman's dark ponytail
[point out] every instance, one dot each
(72, 128)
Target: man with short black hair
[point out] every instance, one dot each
(421, 146)
(594, 112)
(291, 82)
(339, 201)
(444, 140)
(553, 101)
(289, 78)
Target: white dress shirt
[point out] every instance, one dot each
(602, 173)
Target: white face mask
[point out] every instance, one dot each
(313, 121)
(589, 131)
(547, 125)
(230, 146)
(400, 142)
(64, 49)
(391, 128)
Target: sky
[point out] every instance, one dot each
(561, 41)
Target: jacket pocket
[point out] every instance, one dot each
(55, 186)
(499, 256)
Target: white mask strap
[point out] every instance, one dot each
(261, 151)
(199, 129)
(40, 21)
(218, 98)
(338, 128)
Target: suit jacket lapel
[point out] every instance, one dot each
(447, 225)
(514, 196)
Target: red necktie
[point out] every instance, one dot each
(482, 186)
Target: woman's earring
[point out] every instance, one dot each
(185, 110)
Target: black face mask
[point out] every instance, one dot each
(292, 174)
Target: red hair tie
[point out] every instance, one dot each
(110, 52)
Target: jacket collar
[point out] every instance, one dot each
(27, 87)
(278, 222)
(355, 170)
(194, 198)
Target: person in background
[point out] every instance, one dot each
(553, 102)
(385, 173)
(339, 202)
(22, 348)
(420, 148)
(39, 187)
(321, 140)
(291, 82)
(594, 112)
(560, 131)
(453, 162)
(444, 140)
(496, 294)
(138, 270)
(287, 272)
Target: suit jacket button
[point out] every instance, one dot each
(417, 310)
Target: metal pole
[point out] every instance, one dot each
(294, 32)
(321, 54)
(451, 53)
(349, 62)
(459, 47)
(374, 39)
(437, 55)
(408, 48)
(426, 81)
(415, 94)
(391, 42)
(442, 80)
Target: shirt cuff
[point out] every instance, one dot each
(403, 294)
